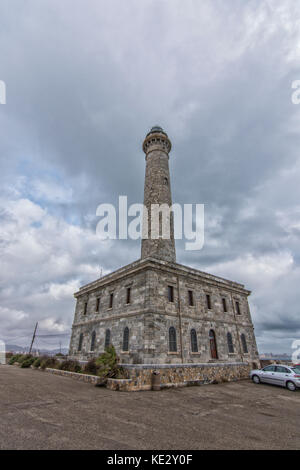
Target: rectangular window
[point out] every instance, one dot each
(208, 302)
(191, 298)
(224, 305)
(171, 293)
(111, 300)
(128, 295)
(97, 304)
(85, 308)
(238, 311)
(160, 225)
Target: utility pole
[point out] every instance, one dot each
(33, 337)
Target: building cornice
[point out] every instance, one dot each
(173, 268)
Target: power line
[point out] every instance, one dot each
(18, 337)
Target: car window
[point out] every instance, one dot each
(283, 370)
(269, 369)
(296, 369)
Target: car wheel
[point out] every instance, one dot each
(291, 386)
(256, 379)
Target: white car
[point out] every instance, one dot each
(285, 376)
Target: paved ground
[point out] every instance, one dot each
(39, 410)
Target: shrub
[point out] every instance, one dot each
(50, 362)
(24, 357)
(37, 362)
(59, 355)
(91, 367)
(71, 366)
(27, 362)
(107, 364)
(14, 358)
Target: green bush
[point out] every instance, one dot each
(104, 366)
(37, 362)
(27, 362)
(107, 364)
(14, 358)
(24, 357)
(49, 362)
(71, 366)
(19, 358)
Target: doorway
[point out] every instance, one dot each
(213, 345)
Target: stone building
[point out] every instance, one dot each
(156, 311)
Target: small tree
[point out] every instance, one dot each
(107, 364)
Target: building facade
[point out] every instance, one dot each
(156, 311)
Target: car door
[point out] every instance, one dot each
(281, 375)
(267, 374)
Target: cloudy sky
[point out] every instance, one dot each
(86, 79)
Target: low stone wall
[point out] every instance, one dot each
(122, 385)
(92, 379)
(139, 377)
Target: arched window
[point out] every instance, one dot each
(107, 339)
(93, 342)
(230, 343)
(80, 342)
(172, 340)
(194, 342)
(244, 343)
(126, 339)
(213, 345)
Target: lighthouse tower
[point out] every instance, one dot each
(157, 192)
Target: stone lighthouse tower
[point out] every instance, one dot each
(158, 231)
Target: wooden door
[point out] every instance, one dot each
(213, 345)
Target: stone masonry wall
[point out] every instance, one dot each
(92, 379)
(184, 317)
(150, 314)
(157, 190)
(176, 375)
(115, 319)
